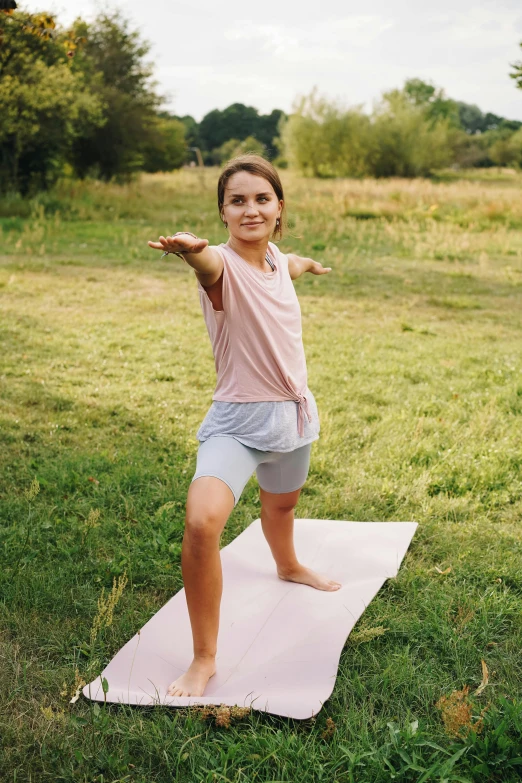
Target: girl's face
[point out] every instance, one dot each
(250, 207)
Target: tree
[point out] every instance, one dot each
(192, 138)
(324, 139)
(44, 104)
(234, 147)
(406, 142)
(239, 122)
(166, 148)
(508, 151)
(268, 130)
(432, 101)
(83, 96)
(470, 116)
(517, 73)
(470, 150)
(113, 59)
(235, 122)
(473, 120)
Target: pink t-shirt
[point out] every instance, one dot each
(257, 338)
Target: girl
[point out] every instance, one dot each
(263, 416)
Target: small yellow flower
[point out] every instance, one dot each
(103, 618)
(223, 716)
(51, 714)
(367, 634)
(92, 519)
(33, 490)
(166, 506)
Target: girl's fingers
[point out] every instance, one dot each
(186, 244)
(179, 244)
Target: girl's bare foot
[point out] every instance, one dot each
(308, 577)
(195, 679)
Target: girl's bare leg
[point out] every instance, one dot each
(209, 504)
(277, 521)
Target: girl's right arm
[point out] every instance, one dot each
(195, 251)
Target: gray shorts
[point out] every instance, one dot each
(231, 461)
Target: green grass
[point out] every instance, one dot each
(413, 354)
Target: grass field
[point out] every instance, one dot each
(413, 346)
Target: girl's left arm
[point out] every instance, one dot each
(297, 265)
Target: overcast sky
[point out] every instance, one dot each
(210, 54)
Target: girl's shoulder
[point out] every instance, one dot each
(277, 253)
(272, 247)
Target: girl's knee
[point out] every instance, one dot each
(209, 504)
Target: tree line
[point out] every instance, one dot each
(410, 132)
(81, 101)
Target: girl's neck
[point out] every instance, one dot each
(253, 252)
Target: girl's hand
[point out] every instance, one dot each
(298, 265)
(180, 243)
(316, 268)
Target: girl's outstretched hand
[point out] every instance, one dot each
(316, 268)
(181, 243)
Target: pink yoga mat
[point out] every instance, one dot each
(279, 642)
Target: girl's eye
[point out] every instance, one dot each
(239, 200)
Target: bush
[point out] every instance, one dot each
(234, 147)
(400, 138)
(322, 139)
(508, 151)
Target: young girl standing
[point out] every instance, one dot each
(263, 416)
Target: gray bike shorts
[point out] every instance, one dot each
(231, 461)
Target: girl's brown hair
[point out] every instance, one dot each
(257, 165)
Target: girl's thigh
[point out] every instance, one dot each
(229, 460)
(284, 471)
